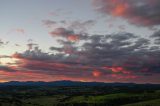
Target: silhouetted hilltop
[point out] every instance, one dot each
(69, 83)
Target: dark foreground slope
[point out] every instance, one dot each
(68, 93)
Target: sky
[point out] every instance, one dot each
(80, 40)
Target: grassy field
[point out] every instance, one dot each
(146, 103)
(79, 96)
(99, 100)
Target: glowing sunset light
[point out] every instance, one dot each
(1, 81)
(119, 10)
(105, 41)
(6, 61)
(73, 38)
(117, 69)
(96, 73)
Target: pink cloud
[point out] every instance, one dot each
(138, 12)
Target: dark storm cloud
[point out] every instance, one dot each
(51, 64)
(56, 49)
(7, 69)
(138, 12)
(121, 56)
(156, 35)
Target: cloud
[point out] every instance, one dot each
(5, 56)
(96, 73)
(2, 43)
(120, 56)
(7, 69)
(69, 34)
(20, 31)
(81, 25)
(49, 23)
(156, 35)
(138, 12)
(61, 32)
(76, 25)
(112, 57)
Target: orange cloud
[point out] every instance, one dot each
(117, 69)
(119, 10)
(119, 76)
(73, 38)
(96, 73)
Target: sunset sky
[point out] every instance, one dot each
(80, 40)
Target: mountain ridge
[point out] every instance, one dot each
(67, 83)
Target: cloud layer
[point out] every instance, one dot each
(113, 57)
(138, 12)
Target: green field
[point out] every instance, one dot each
(99, 100)
(146, 103)
(80, 96)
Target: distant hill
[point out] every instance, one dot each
(69, 83)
